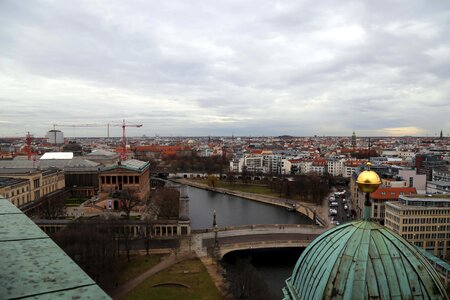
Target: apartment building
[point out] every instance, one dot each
(423, 221)
(335, 167)
(266, 163)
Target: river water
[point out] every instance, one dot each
(233, 211)
(274, 265)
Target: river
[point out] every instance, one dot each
(233, 211)
(273, 265)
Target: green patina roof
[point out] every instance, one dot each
(363, 260)
(33, 266)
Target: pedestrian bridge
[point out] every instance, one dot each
(254, 237)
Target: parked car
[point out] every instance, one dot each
(334, 204)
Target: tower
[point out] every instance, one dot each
(353, 139)
(183, 211)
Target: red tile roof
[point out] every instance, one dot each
(392, 193)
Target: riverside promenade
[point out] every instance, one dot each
(314, 212)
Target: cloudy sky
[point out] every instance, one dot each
(220, 67)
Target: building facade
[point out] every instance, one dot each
(16, 190)
(41, 182)
(132, 175)
(423, 221)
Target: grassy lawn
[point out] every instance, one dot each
(74, 201)
(137, 265)
(189, 272)
(246, 188)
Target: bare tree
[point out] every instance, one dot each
(92, 245)
(165, 203)
(52, 207)
(246, 283)
(129, 200)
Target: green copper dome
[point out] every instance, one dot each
(362, 260)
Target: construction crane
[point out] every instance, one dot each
(81, 125)
(124, 139)
(29, 145)
(123, 154)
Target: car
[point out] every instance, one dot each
(333, 212)
(343, 200)
(334, 204)
(345, 207)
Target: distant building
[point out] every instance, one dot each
(426, 163)
(103, 157)
(418, 181)
(423, 221)
(55, 137)
(441, 175)
(335, 167)
(438, 187)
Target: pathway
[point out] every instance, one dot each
(125, 288)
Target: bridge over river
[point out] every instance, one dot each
(253, 237)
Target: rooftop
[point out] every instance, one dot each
(57, 155)
(363, 260)
(131, 164)
(8, 181)
(34, 266)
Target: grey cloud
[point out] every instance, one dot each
(268, 67)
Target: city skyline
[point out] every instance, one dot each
(248, 69)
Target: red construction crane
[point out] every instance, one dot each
(123, 154)
(29, 145)
(124, 139)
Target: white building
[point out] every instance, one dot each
(55, 137)
(335, 167)
(418, 181)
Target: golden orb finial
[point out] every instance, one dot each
(368, 181)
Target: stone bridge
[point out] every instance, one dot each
(254, 237)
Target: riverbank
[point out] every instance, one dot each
(313, 212)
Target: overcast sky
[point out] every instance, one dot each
(226, 67)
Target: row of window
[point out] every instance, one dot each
(426, 212)
(413, 237)
(426, 228)
(425, 220)
(120, 179)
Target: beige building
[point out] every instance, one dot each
(41, 182)
(16, 190)
(422, 220)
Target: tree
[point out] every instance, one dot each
(92, 245)
(52, 207)
(165, 203)
(246, 283)
(212, 180)
(129, 200)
